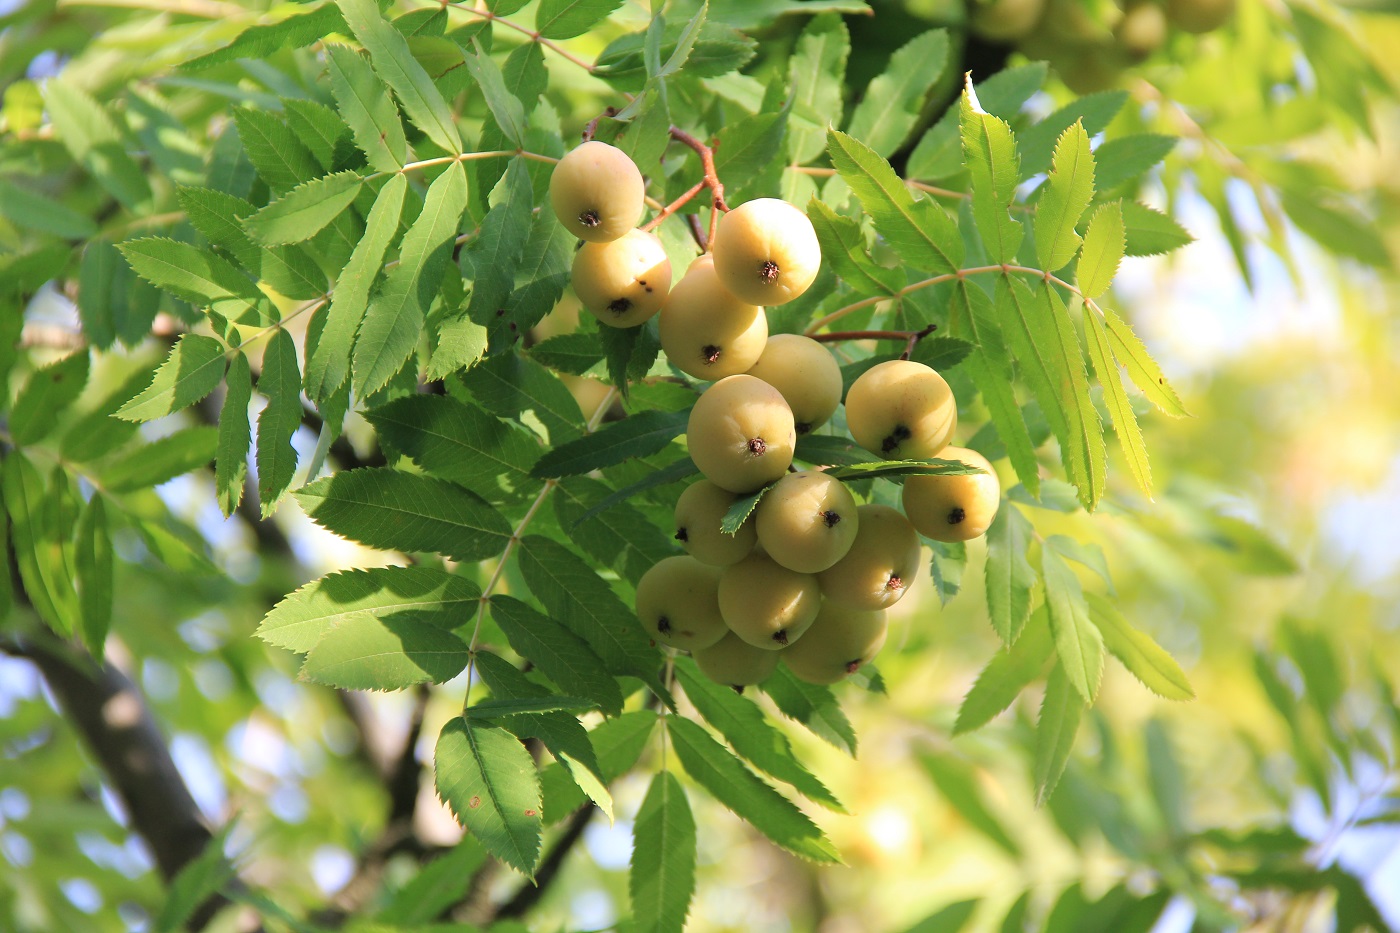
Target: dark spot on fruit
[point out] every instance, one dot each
(780, 636)
(474, 802)
(956, 516)
(641, 281)
(710, 352)
(757, 446)
(648, 289)
(768, 272)
(589, 218)
(894, 582)
(803, 427)
(853, 666)
(894, 438)
(681, 535)
(620, 306)
(663, 625)
(830, 518)
(737, 688)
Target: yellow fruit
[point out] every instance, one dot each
(807, 521)
(678, 603)
(1200, 15)
(735, 662)
(1142, 30)
(740, 434)
(806, 374)
(901, 410)
(1006, 20)
(699, 512)
(707, 332)
(837, 644)
(597, 192)
(881, 565)
(766, 604)
(766, 252)
(954, 508)
(624, 282)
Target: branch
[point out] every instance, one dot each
(530, 894)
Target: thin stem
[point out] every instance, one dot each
(590, 129)
(466, 157)
(836, 336)
(707, 164)
(532, 34)
(674, 206)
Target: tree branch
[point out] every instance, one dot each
(529, 894)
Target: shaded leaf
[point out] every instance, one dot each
(489, 780)
(661, 881)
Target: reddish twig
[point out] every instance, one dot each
(910, 337)
(590, 129)
(711, 177)
(674, 206)
(697, 232)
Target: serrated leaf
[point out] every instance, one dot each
(629, 353)
(1149, 232)
(397, 511)
(565, 19)
(394, 321)
(1104, 242)
(638, 435)
(280, 158)
(1120, 409)
(94, 566)
(305, 210)
(1067, 193)
(1092, 111)
(490, 262)
(939, 153)
(685, 42)
(543, 271)
(681, 469)
(1078, 643)
(747, 146)
(88, 132)
(504, 708)
(511, 384)
(740, 510)
(812, 705)
(714, 768)
(816, 70)
(843, 245)
(921, 231)
(489, 780)
(364, 102)
(1009, 575)
(621, 537)
(160, 460)
(261, 41)
(425, 594)
(366, 651)
(746, 729)
(321, 129)
(192, 371)
(1143, 657)
(218, 218)
(661, 881)
(504, 106)
(1125, 158)
(957, 782)
(37, 544)
(34, 211)
(1129, 350)
(1006, 675)
(557, 652)
(235, 435)
(888, 468)
(392, 60)
(893, 100)
(574, 354)
(46, 395)
(280, 382)
(618, 743)
(990, 150)
(1060, 713)
(946, 568)
(199, 277)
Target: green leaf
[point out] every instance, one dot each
(638, 435)
(661, 882)
(990, 150)
(618, 742)
(1129, 350)
(1142, 656)
(390, 55)
(622, 537)
(1006, 675)
(946, 568)
(750, 144)
(816, 70)
(281, 383)
(218, 218)
(712, 766)
(37, 544)
(1060, 713)
(423, 594)
(192, 371)
(565, 19)
(888, 468)
(161, 460)
(1009, 576)
(920, 231)
(321, 129)
(94, 566)
(201, 878)
(46, 396)
(543, 270)
(235, 435)
(305, 210)
(280, 158)
(394, 321)
(1067, 193)
(364, 102)
(1093, 112)
(681, 469)
(843, 245)
(329, 364)
(503, 708)
(89, 133)
(748, 732)
(574, 353)
(1120, 409)
(1149, 232)
(686, 42)
(739, 512)
(366, 651)
(1077, 640)
(1337, 227)
(893, 101)
(34, 211)
(1121, 160)
(629, 352)
(504, 106)
(491, 261)
(198, 276)
(258, 42)
(957, 781)
(397, 511)
(950, 919)
(812, 705)
(1103, 250)
(489, 780)
(511, 384)
(557, 652)
(939, 154)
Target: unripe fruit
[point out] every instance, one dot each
(807, 521)
(901, 410)
(699, 512)
(1005, 20)
(678, 603)
(806, 374)
(954, 508)
(766, 604)
(740, 434)
(1091, 68)
(735, 662)
(1200, 15)
(707, 332)
(1142, 30)
(623, 283)
(597, 192)
(766, 252)
(837, 644)
(880, 566)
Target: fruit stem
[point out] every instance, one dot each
(910, 337)
(591, 127)
(674, 206)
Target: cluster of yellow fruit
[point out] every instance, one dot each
(808, 576)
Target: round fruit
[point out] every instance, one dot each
(735, 662)
(699, 512)
(623, 282)
(741, 434)
(807, 521)
(837, 644)
(880, 566)
(597, 192)
(954, 508)
(805, 373)
(1142, 30)
(678, 603)
(1005, 20)
(766, 604)
(766, 252)
(1200, 15)
(707, 332)
(901, 410)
